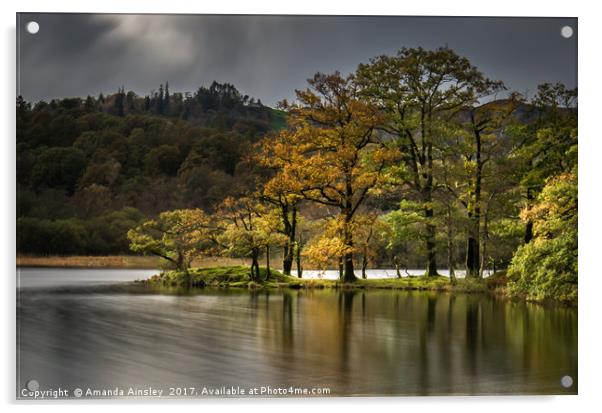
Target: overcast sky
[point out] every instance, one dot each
(269, 56)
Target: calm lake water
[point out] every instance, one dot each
(91, 329)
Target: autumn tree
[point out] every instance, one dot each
(282, 193)
(337, 156)
(176, 236)
(365, 234)
(420, 90)
(327, 248)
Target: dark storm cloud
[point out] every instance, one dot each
(269, 56)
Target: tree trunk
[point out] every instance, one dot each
(287, 260)
(298, 257)
(365, 255)
(451, 264)
(431, 252)
(188, 276)
(180, 262)
(529, 224)
(472, 247)
(349, 274)
(289, 248)
(255, 264)
(267, 262)
(348, 210)
(484, 238)
(364, 262)
(483, 259)
(341, 269)
(348, 270)
(182, 266)
(528, 232)
(473, 242)
(472, 257)
(431, 246)
(396, 262)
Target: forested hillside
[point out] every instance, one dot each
(90, 169)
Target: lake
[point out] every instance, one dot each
(80, 328)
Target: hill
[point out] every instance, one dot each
(89, 169)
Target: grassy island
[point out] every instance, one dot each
(240, 277)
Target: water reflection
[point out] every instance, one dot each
(355, 342)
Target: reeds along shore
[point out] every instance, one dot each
(113, 261)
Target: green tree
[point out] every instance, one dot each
(58, 168)
(166, 100)
(546, 267)
(547, 145)
(176, 236)
(164, 159)
(246, 229)
(119, 102)
(420, 90)
(90, 104)
(468, 161)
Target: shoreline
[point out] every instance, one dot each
(237, 278)
(109, 262)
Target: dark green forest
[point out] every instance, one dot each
(90, 169)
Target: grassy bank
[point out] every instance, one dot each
(221, 276)
(238, 277)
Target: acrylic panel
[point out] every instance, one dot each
(215, 206)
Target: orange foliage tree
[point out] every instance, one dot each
(335, 157)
